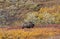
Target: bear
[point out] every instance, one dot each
(28, 25)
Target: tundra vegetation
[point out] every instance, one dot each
(15, 12)
(27, 14)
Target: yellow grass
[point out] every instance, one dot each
(28, 33)
(53, 9)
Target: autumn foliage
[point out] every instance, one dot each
(28, 33)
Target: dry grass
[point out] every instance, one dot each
(33, 33)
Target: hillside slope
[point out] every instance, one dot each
(12, 11)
